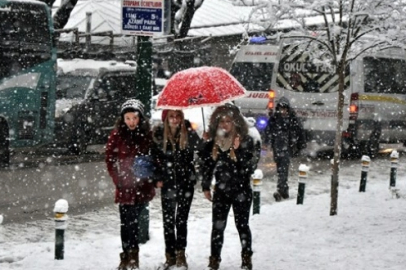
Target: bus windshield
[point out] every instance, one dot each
(25, 37)
(253, 76)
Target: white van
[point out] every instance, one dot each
(375, 96)
(253, 67)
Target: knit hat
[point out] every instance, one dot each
(132, 105)
(164, 115)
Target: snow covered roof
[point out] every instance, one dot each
(220, 18)
(91, 66)
(213, 18)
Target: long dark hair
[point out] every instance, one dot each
(240, 127)
(232, 111)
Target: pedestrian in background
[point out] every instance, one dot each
(287, 138)
(177, 143)
(228, 156)
(131, 137)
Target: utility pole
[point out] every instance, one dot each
(144, 72)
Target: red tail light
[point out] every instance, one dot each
(271, 102)
(354, 107)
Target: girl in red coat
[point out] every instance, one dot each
(131, 137)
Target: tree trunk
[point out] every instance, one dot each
(174, 9)
(187, 19)
(62, 15)
(337, 144)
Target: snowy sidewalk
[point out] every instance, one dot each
(369, 231)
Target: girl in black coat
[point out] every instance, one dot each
(228, 156)
(177, 143)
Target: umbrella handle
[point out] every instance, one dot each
(204, 125)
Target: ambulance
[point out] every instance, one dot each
(374, 93)
(253, 67)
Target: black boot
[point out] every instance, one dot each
(214, 263)
(285, 195)
(181, 259)
(170, 261)
(124, 259)
(133, 262)
(246, 261)
(277, 196)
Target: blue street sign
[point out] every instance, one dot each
(142, 17)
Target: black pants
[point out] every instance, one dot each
(176, 205)
(282, 170)
(241, 203)
(129, 216)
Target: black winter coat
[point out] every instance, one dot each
(285, 134)
(231, 177)
(177, 168)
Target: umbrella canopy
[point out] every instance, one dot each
(199, 87)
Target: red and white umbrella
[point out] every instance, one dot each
(199, 87)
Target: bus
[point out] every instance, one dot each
(374, 91)
(27, 76)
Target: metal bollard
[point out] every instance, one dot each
(60, 210)
(303, 170)
(365, 160)
(394, 158)
(257, 183)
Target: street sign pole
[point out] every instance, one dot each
(144, 72)
(145, 19)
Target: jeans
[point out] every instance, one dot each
(282, 170)
(241, 204)
(129, 215)
(176, 205)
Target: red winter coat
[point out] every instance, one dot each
(121, 148)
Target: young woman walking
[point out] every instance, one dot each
(177, 143)
(131, 137)
(229, 157)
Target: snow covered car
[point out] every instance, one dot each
(89, 97)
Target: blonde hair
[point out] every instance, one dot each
(183, 138)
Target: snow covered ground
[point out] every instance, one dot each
(369, 231)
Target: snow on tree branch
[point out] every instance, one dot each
(346, 29)
(185, 10)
